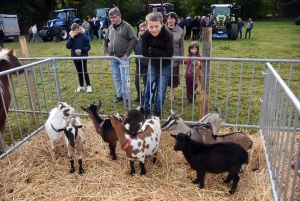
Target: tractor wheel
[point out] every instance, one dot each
(234, 31)
(64, 35)
(47, 39)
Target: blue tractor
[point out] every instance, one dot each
(104, 18)
(65, 18)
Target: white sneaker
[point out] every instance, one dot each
(89, 89)
(79, 89)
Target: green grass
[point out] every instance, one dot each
(269, 40)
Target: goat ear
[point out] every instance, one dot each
(60, 130)
(83, 108)
(99, 105)
(174, 136)
(125, 115)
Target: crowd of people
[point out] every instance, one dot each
(157, 39)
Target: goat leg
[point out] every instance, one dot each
(112, 149)
(155, 158)
(72, 170)
(132, 172)
(200, 178)
(236, 179)
(143, 170)
(81, 171)
(228, 179)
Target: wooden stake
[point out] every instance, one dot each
(25, 54)
(205, 78)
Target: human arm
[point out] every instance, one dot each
(132, 42)
(105, 43)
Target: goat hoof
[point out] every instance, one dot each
(114, 158)
(154, 160)
(201, 186)
(195, 181)
(72, 170)
(231, 192)
(143, 173)
(81, 171)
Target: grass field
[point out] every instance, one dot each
(269, 40)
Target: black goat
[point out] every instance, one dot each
(213, 158)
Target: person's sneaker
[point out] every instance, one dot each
(79, 89)
(89, 89)
(190, 101)
(118, 99)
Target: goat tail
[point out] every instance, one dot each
(217, 110)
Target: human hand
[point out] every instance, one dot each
(78, 52)
(125, 57)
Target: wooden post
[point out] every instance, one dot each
(25, 54)
(205, 78)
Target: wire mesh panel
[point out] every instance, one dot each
(279, 124)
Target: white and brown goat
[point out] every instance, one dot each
(133, 123)
(138, 145)
(57, 120)
(75, 135)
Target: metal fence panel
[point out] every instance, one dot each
(279, 124)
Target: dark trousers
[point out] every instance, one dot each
(82, 70)
(1, 43)
(57, 37)
(141, 71)
(30, 37)
(248, 31)
(190, 85)
(195, 34)
(187, 33)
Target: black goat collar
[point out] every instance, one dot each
(100, 127)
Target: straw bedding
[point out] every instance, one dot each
(30, 174)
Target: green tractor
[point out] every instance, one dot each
(227, 26)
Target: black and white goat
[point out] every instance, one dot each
(57, 120)
(213, 158)
(75, 135)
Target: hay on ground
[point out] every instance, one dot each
(30, 174)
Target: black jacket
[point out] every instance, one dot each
(138, 51)
(80, 41)
(159, 46)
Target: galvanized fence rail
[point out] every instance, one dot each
(279, 127)
(236, 86)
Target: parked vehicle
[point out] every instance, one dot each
(224, 15)
(104, 18)
(163, 9)
(10, 26)
(65, 18)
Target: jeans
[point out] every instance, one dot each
(99, 34)
(200, 35)
(57, 37)
(34, 36)
(240, 32)
(156, 83)
(87, 33)
(117, 75)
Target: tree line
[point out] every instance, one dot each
(37, 11)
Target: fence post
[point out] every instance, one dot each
(25, 54)
(125, 77)
(205, 77)
(57, 85)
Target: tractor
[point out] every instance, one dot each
(162, 8)
(104, 18)
(65, 18)
(227, 26)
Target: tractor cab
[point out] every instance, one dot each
(226, 24)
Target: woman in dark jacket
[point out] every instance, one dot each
(80, 45)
